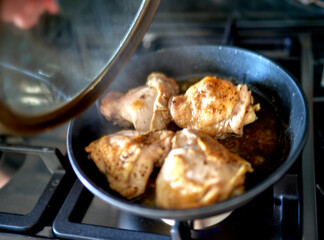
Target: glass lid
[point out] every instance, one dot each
(54, 67)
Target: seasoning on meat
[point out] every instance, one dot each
(145, 107)
(127, 158)
(214, 106)
(199, 171)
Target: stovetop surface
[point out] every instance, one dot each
(287, 32)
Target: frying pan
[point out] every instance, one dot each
(258, 72)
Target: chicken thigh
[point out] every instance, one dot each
(214, 106)
(145, 107)
(128, 157)
(199, 171)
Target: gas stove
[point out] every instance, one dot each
(40, 197)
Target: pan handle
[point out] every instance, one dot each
(180, 231)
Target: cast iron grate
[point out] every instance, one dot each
(49, 200)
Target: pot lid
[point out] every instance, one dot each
(56, 69)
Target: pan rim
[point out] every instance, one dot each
(214, 209)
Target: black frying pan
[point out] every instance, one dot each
(255, 70)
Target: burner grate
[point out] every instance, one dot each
(271, 216)
(47, 201)
(68, 223)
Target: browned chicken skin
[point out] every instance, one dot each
(199, 171)
(128, 157)
(145, 107)
(214, 106)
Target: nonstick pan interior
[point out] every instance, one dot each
(258, 72)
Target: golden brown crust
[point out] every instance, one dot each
(214, 106)
(199, 171)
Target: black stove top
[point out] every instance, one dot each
(42, 198)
